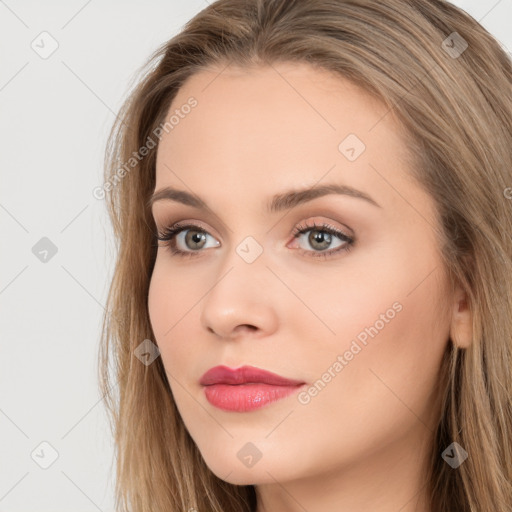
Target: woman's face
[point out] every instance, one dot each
(362, 319)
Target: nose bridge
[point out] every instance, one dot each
(244, 252)
(240, 292)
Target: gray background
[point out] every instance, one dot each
(55, 116)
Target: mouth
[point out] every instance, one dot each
(245, 389)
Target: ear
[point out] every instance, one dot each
(461, 328)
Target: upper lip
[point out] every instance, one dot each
(244, 375)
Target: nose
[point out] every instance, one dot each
(242, 300)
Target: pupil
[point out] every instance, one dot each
(319, 238)
(195, 236)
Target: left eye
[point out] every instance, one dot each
(320, 238)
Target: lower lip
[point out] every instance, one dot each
(246, 397)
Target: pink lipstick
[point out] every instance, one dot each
(246, 388)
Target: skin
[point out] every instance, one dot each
(361, 443)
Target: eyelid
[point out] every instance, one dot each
(192, 222)
(311, 223)
(173, 230)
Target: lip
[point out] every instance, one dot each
(244, 375)
(246, 388)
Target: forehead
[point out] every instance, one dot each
(293, 99)
(281, 125)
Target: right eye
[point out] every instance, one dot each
(188, 235)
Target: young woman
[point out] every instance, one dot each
(312, 303)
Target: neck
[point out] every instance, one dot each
(388, 479)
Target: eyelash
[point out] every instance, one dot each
(170, 233)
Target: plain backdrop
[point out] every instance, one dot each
(57, 251)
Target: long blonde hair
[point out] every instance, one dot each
(455, 104)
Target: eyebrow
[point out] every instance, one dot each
(279, 202)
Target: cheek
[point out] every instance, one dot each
(392, 328)
(170, 300)
(384, 387)
(171, 294)
(387, 306)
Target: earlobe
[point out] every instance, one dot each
(461, 329)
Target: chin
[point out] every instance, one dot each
(235, 473)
